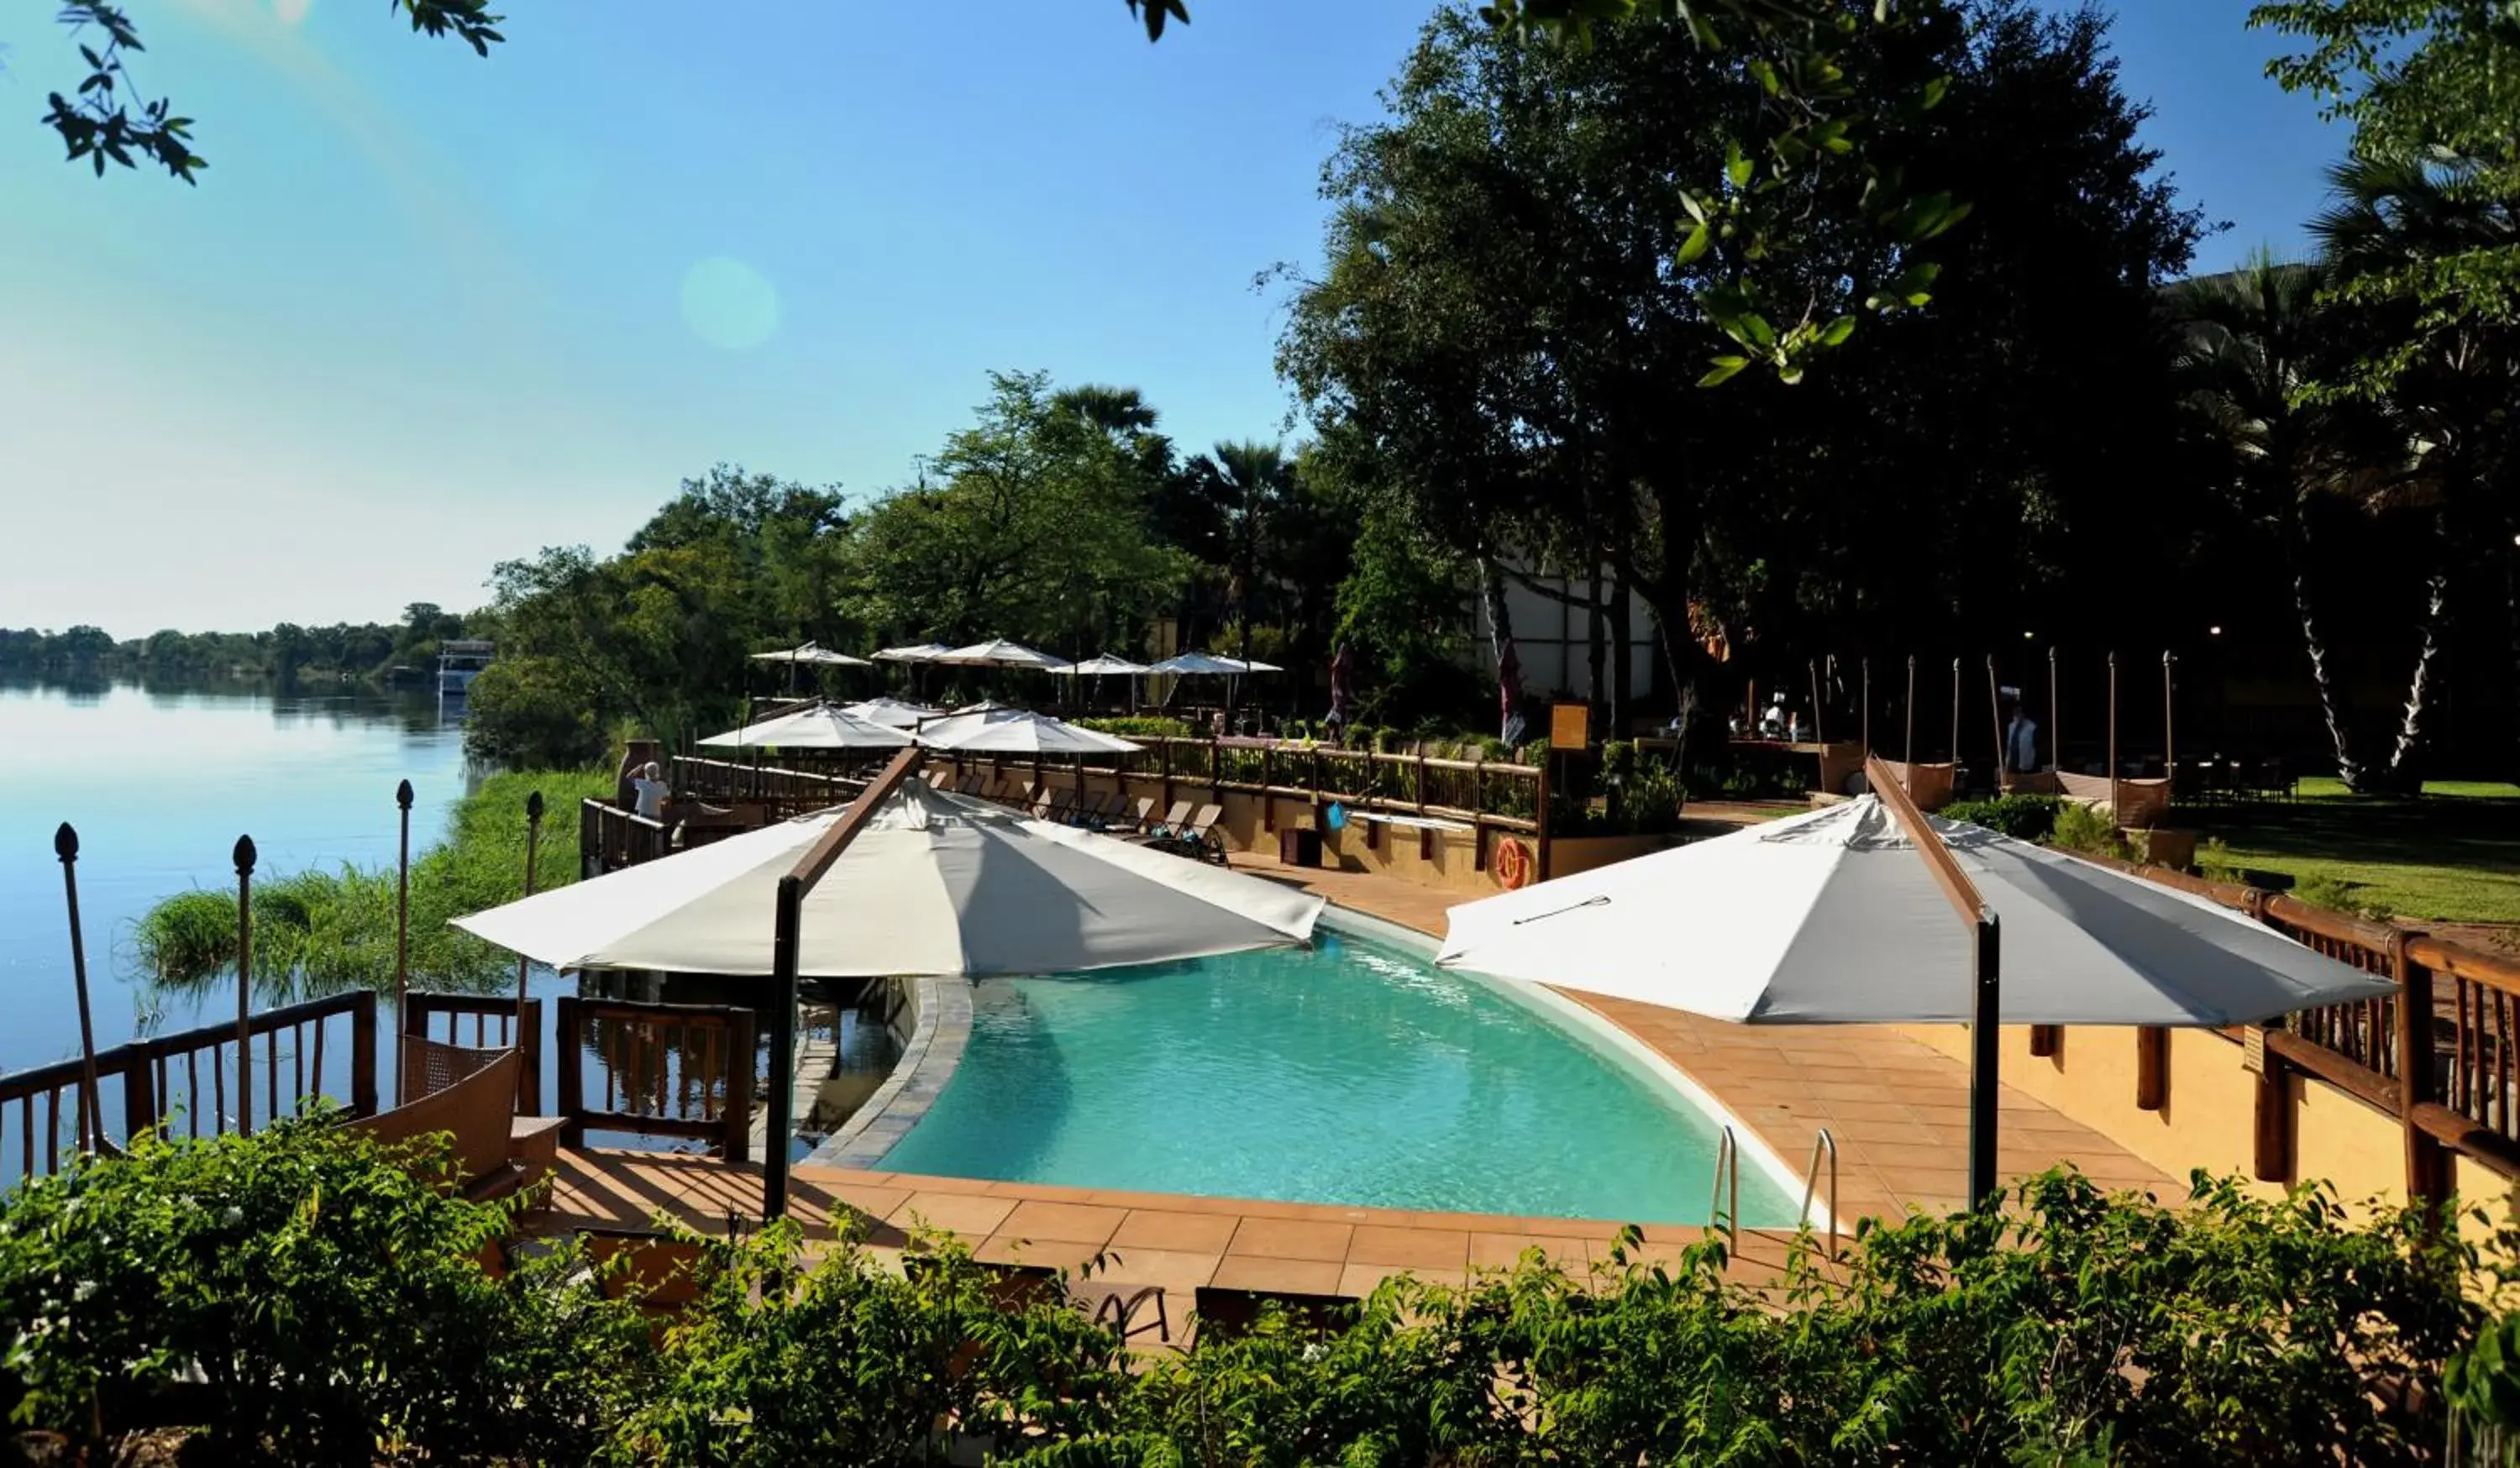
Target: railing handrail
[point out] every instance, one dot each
(607, 811)
(1727, 1170)
(1821, 1140)
(117, 1060)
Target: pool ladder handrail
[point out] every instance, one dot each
(1724, 1209)
(1823, 1142)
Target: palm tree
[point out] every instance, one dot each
(2252, 341)
(1247, 485)
(2447, 372)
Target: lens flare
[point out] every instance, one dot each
(729, 304)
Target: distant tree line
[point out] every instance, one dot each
(283, 655)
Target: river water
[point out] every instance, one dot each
(159, 783)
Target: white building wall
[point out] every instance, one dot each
(1554, 641)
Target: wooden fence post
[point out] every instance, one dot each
(363, 1054)
(740, 1048)
(2272, 1139)
(2152, 1068)
(572, 1056)
(2427, 1161)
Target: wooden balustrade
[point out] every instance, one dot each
(181, 1081)
(780, 788)
(666, 1070)
(610, 838)
(493, 1027)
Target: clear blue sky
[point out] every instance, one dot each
(425, 312)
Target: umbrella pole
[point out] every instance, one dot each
(1994, 717)
(1955, 724)
(1818, 737)
(91, 1094)
(1907, 755)
(1868, 707)
(2113, 735)
(2169, 764)
(402, 935)
(2055, 730)
(1986, 1051)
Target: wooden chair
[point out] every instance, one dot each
(477, 1111)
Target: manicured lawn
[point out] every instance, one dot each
(2450, 855)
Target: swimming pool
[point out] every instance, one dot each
(1350, 1073)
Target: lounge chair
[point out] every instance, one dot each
(477, 1110)
(1200, 840)
(1061, 807)
(1141, 815)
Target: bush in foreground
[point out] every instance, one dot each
(328, 1299)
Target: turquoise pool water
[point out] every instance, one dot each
(1352, 1073)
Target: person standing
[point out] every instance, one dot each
(651, 791)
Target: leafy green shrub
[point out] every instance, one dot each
(531, 713)
(1296, 729)
(2337, 895)
(851, 1362)
(2024, 818)
(2091, 831)
(2214, 861)
(2069, 1327)
(305, 1296)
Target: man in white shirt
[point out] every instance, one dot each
(651, 791)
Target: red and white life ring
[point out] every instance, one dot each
(1512, 864)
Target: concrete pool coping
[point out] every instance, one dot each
(942, 1029)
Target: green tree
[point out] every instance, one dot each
(1038, 526)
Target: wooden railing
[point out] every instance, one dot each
(783, 791)
(185, 1081)
(493, 1026)
(2451, 1077)
(610, 838)
(667, 1070)
(1489, 796)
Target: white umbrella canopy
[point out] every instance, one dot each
(892, 713)
(1105, 665)
(935, 884)
(998, 652)
(913, 652)
(812, 653)
(1191, 664)
(1015, 731)
(1252, 665)
(1834, 919)
(821, 727)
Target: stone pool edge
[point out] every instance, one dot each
(942, 1027)
(1606, 1035)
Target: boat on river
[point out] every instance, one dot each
(460, 660)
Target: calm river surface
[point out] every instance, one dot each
(160, 783)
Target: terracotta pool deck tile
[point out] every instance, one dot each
(1040, 1252)
(1178, 1271)
(972, 1215)
(1290, 1239)
(1292, 1276)
(1164, 1229)
(1410, 1248)
(1066, 1222)
(1358, 1280)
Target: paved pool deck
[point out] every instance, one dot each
(1897, 1109)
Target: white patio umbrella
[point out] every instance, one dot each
(1832, 918)
(1103, 666)
(984, 707)
(892, 713)
(1197, 664)
(1252, 665)
(1837, 917)
(998, 652)
(1015, 731)
(812, 653)
(915, 652)
(936, 884)
(821, 727)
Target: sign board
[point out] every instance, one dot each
(2253, 1049)
(1570, 726)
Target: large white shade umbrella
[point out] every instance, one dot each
(935, 884)
(821, 727)
(998, 652)
(1015, 731)
(1834, 918)
(814, 653)
(913, 652)
(1193, 664)
(892, 713)
(1252, 665)
(1105, 665)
